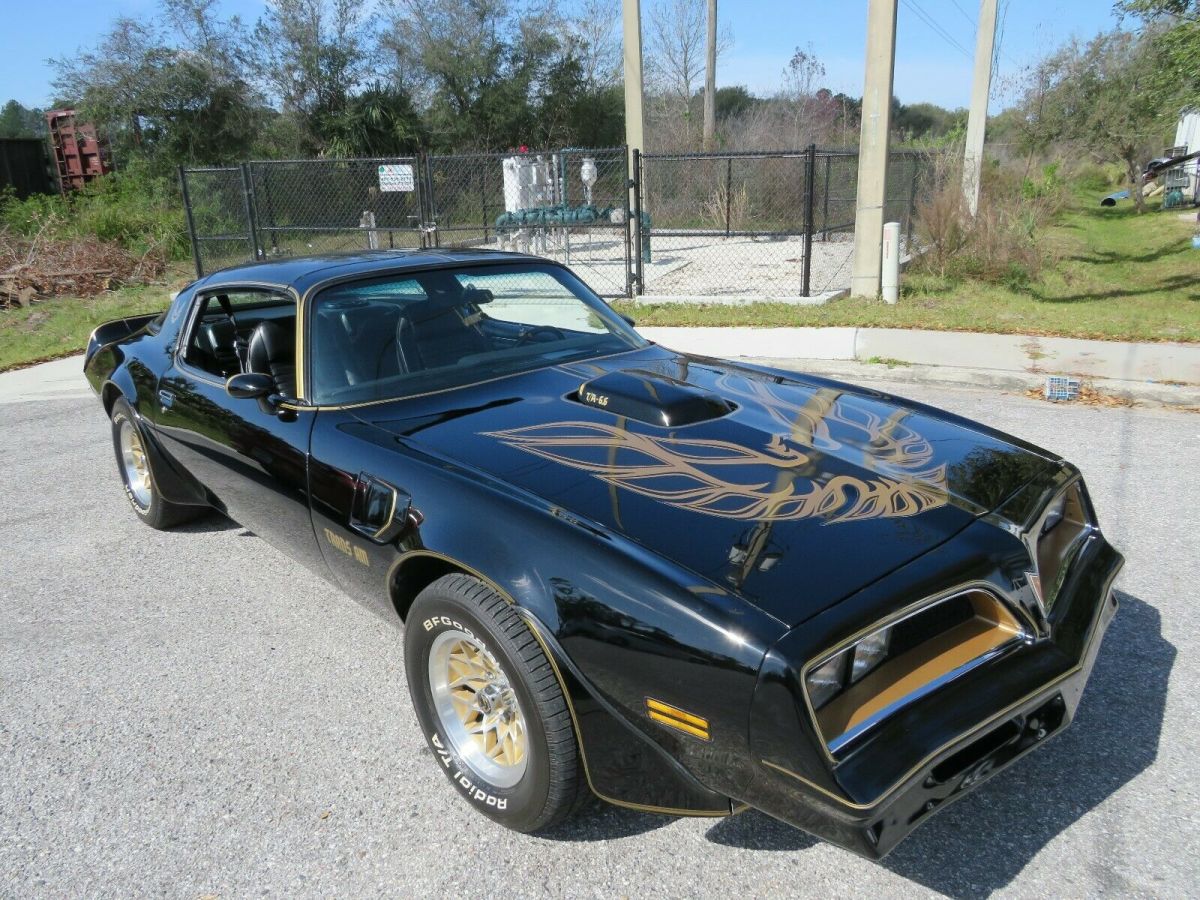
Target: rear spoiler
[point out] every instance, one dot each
(116, 330)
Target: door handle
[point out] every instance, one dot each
(166, 398)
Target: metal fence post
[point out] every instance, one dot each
(248, 198)
(912, 203)
(810, 170)
(191, 223)
(728, 191)
(825, 202)
(636, 220)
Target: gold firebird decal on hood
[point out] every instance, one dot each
(779, 482)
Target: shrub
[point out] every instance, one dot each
(1000, 243)
(1095, 177)
(133, 208)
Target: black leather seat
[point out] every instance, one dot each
(440, 337)
(272, 351)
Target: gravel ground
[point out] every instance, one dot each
(735, 267)
(190, 714)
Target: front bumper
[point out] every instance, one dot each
(935, 752)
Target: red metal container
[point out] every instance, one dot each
(79, 155)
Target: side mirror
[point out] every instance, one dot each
(250, 385)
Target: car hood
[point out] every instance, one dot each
(791, 490)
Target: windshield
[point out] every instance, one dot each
(417, 332)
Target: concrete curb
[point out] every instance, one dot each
(1025, 355)
(1136, 392)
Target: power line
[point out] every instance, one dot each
(937, 29)
(970, 21)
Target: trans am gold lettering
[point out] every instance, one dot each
(339, 543)
(780, 481)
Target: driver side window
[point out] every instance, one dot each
(245, 331)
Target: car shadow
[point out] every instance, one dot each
(209, 523)
(981, 843)
(753, 830)
(599, 821)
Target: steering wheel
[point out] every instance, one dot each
(530, 334)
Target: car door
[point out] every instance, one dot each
(249, 454)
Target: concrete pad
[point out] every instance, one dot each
(795, 343)
(731, 300)
(58, 380)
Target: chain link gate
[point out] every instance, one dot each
(219, 218)
(777, 225)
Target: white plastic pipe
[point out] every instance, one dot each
(890, 285)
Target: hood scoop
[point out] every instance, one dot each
(652, 398)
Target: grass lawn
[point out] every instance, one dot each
(60, 327)
(1120, 276)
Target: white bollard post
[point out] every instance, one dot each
(890, 283)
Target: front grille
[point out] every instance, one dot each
(927, 649)
(930, 622)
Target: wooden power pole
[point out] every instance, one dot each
(710, 81)
(873, 148)
(981, 89)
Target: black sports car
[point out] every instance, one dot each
(686, 585)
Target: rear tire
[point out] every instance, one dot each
(491, 706)
(136, 468)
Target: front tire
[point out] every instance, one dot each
(490, 705)
(136, 468)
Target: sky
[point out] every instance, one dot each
(930, 66)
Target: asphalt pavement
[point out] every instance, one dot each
(190, 714)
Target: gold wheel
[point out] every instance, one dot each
(477, 708)
(137, 468)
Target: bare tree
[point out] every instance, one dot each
(595, 27)
(811, 108)
(675, 44)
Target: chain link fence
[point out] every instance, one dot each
(303, 207)
(773, 225)
(720, 225)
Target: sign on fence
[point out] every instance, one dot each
(397, 178)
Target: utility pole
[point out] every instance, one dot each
(981, 88)
(710, 81)
(873, 148)
(631, 17)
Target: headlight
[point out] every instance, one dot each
(869, 653)
(1054, 513)
(827, 680)
(905, 658)
(1066, 526)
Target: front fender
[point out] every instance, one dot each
(621, 626)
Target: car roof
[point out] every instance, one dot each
(302, 272)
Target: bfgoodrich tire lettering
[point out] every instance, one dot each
(525, 790)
